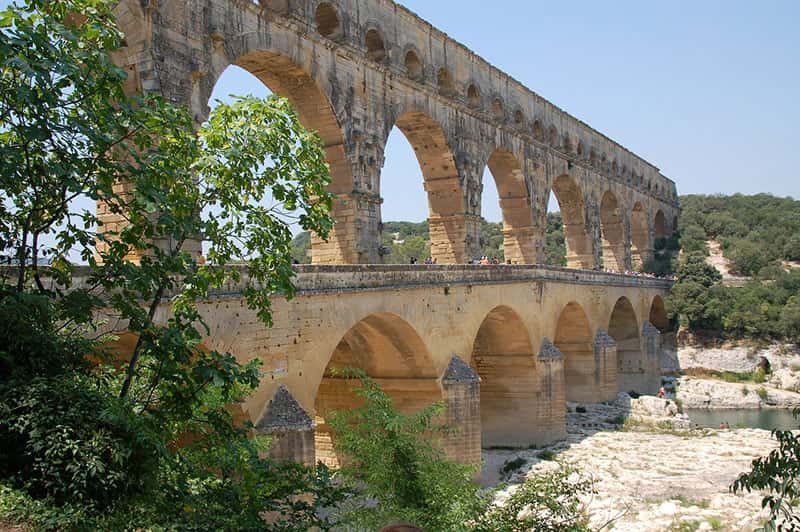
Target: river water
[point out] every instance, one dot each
(745, 418)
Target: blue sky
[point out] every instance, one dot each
(709, 91)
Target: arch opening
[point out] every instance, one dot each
(515, 206)
(612, 234)
(376, 50)
(388, 350)
(640, 237)
(413, 66)
(473, 97)
(503, 357)
(446, 204)
(327, 21)
(519, 118)
(498, 110)
(578, 241)
(623, 327)
(574, 339)
(267, 72)
(538, 133)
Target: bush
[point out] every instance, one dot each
(762, 393)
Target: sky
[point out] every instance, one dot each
(708, 91)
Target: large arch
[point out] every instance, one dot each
(641, 250)
(515, 204)
(446, 200)
(612, 233)
(573, 212)
(503, 357)
(387, 349)
(669, 341)
(623, 327)
(286, 78)
(574, 339)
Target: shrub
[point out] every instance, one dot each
(547, 455)
(513, 465)
(762, 393)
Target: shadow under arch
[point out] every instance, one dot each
(669, 362)
(660, 225)
(641, 250)
(515, 204)
(503, 357)
(574, 339)
(612, 233)
(284, 77)
(623, 327)
(573, 212)
(388, 350)
(446, 197)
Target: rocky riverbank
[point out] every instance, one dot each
(652, 475)
(710, 393)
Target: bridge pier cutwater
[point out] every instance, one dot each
(504, 347)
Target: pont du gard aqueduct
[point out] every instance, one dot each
(502, 346)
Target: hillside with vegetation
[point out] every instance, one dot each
(760, 239)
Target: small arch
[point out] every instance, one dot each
(414, 69)
(658, 315)
(592, 156)
(574, 339)
(615, 168)
(552, 136)
(498, 110)
(519, 118)
(327, 21)
(445, 82)
(566, 143)
(612, 233)
(581, 149)
(538, 133)
(376, 50)
(623, 327)
(473, 97)
(389, 350)
(503, 357)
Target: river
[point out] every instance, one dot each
(745, 418)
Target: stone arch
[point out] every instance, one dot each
(414, 68)
(445, 83)
(623, 327)
(538, 133)
(660, 225)
(640, 237)
(498, 110)
(445, 193)
(580, 150)
(503, 357)
(327, 21)
(669, 340)
(658, 315)
(574, 339)
(376, 48)
(286, 78)
(474, 97)
(566, 143)
(552, 136)
(612, 233)
(387, 349)
(519, 118)
(573, 209)
(515, 205)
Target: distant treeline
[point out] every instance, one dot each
(757, 235)
(403, 241)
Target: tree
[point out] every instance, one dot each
(156, 442)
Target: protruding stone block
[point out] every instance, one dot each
(290, 427)
(461, 391)
(552, 407)
(605, 366)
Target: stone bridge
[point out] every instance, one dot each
(354, 70)
(502, 346)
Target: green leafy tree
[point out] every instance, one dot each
(555, 245)
(156, 443)
(779, 475)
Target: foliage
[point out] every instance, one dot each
(544, 502)
(779, 474)
(555, 245)
(396, 466)
(393, 457)
(148, 440)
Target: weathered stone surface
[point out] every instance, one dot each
(709, 393)
(549, 352)
(355, 69)
(459, 371)
(284, 413)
